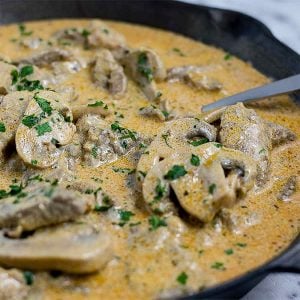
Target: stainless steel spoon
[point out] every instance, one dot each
(275, 88)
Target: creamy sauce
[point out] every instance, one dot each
(146, 263)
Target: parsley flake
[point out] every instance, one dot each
(198, 142)
(30, 121)
(29, 277)
(155, 222)
(143, 66)
(175, 172)
(43, 128)
(2, 127)
(195, 160)
(182, 278)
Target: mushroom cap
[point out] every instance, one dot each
(72, 248)
(38, 145)
(203, 188)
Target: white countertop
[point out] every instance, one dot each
(283, 19)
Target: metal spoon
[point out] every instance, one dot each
(275, 88)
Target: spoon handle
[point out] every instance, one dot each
(275, 88)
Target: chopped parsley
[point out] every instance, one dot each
(218, 266)
(178, 51)
(14, 76)
(143, 66)
(175, 172)
(23, 31)
(228, 251)
(85, 33)
(25, 71)
(107, 204)
(98, 104)
(2, 127)
(227, 56)
(155, 222)
(160, 191)
(262, 151)
(43, 128)
(30, 121)
(195, 160)
(126, 133)
(242, 245)
(198, 142)
(29, 277)
(125, 216)
(212, 187)
(14, 191)
(124, 170)
(218, 145)
(105, 30)
(29, 85)
(44, 104)
(94, 152)
(182, 278)
(34, 162)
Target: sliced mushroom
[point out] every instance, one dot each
(13, 285)
(39, 205)
(12, 108)
(199, 180)
(176, 136)
(103, 36)
(72, 248)
(144, 66)
(47, 125)
(46, 56)
(108, 74)
(195, 76)
(242, 129)
(6, 79)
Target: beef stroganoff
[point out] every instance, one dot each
(115, 185)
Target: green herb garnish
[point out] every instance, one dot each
(30, 121)
(212, 187)
(175, 172)
(44, 104)
(178, 51)
(26, 70)
(198, 142)
(2, 127)
(143, 66)
(195, 160)
(227, 56)
(155, 222)
(43, 128)
(29, 277)
(97, 104)
(22, 30)
(160, 191)
(218, 266)
(182, 278)
(229, 251)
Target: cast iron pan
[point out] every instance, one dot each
(238, 34)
